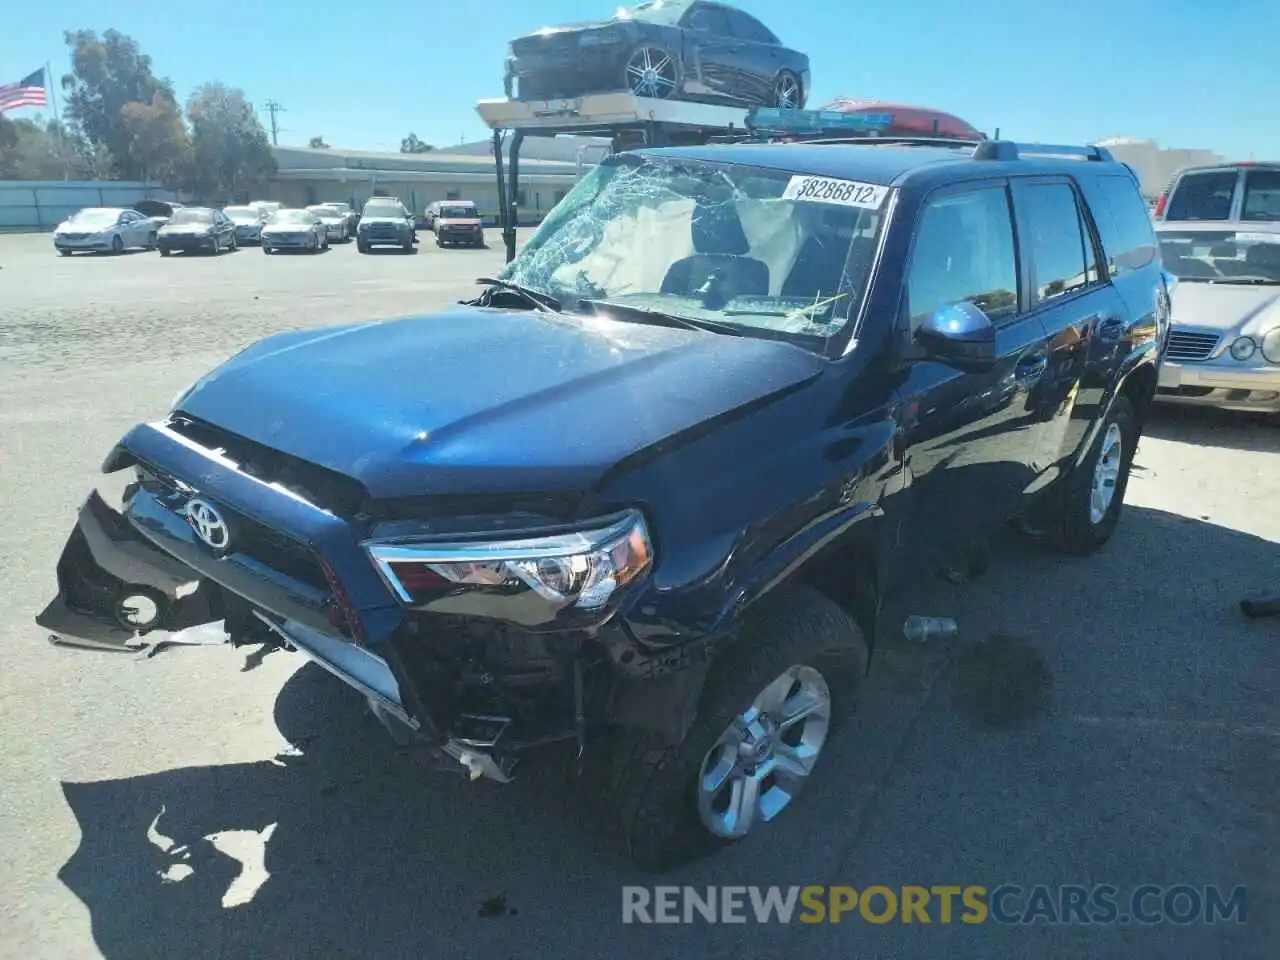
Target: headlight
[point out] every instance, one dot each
(1243, 348)
(579, 571)
(1271, 345)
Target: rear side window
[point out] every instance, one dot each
(964, 252)
(1125, 225)
(1202, 196)
(749, 28)
(1261, 195)
(1055, 238)
(711, 19)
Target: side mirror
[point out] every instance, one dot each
(959, 334)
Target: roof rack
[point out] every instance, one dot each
(1008, 150)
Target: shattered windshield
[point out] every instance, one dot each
(763, 251)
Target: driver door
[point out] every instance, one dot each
(711, 48)
(969, 436)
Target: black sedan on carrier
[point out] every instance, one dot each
(667, 49)
(200, 229)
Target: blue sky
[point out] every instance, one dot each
(363, 75)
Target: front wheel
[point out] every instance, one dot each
(151, 241)
(1082, 517)
(164, 251)
(764, 718)
(117, 245)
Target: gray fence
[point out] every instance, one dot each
(34, 205)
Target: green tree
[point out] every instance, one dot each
(229, 147)
(107, 73)
(411, 144)
(35, 150)
(158, 145)
(317, 143)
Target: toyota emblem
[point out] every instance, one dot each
(208, 524)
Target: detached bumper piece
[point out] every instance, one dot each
(114, 587)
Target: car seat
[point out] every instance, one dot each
(719, 268)
(820, 265)
(1264, 258)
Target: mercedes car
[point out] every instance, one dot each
(294, 230)
(1219, 230)
(665, 49)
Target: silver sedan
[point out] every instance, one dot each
(104, 229)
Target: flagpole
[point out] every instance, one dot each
(57, 118)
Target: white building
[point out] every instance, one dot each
(1156, 166)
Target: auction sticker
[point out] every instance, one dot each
(848, 193)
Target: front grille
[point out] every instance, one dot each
(1187, 345)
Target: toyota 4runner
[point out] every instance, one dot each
(648, 492)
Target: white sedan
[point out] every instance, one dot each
(335, 222)
(103, 229)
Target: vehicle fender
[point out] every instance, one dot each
(665, 704)
(1137, 364)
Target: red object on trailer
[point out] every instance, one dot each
(910, 121)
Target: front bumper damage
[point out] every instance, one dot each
(117, 590)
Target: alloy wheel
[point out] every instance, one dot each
(764, 757)
(1106, 473)
(651, 73)
(786, 92)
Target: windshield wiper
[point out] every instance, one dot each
(541, 301)
(1245, 280)
(661, 318)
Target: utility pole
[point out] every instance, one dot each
(273, 108)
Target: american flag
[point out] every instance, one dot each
(27, 92)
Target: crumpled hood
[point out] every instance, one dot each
(1227, 307)
(480, 400)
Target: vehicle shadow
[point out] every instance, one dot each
(348, 849)
(1210, 427)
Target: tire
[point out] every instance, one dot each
(117, 245)
(266, 250)
(165, 251)
(235, 244)
(787, 92)
(1069, 523)
(64, 253)
(151, 241)
(652, 72)
(362, 247)
(652, 787)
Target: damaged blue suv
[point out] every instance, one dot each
(651, 492)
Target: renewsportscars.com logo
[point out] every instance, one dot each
(1100, 904)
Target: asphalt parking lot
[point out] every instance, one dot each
(1112, 720)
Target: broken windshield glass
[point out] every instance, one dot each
(773, 254)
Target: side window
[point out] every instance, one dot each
(747, 27)
(1055, 238)
(1202, 196)
(1261, 195)
(1125, 225)
(709, 19)
(964, 251)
